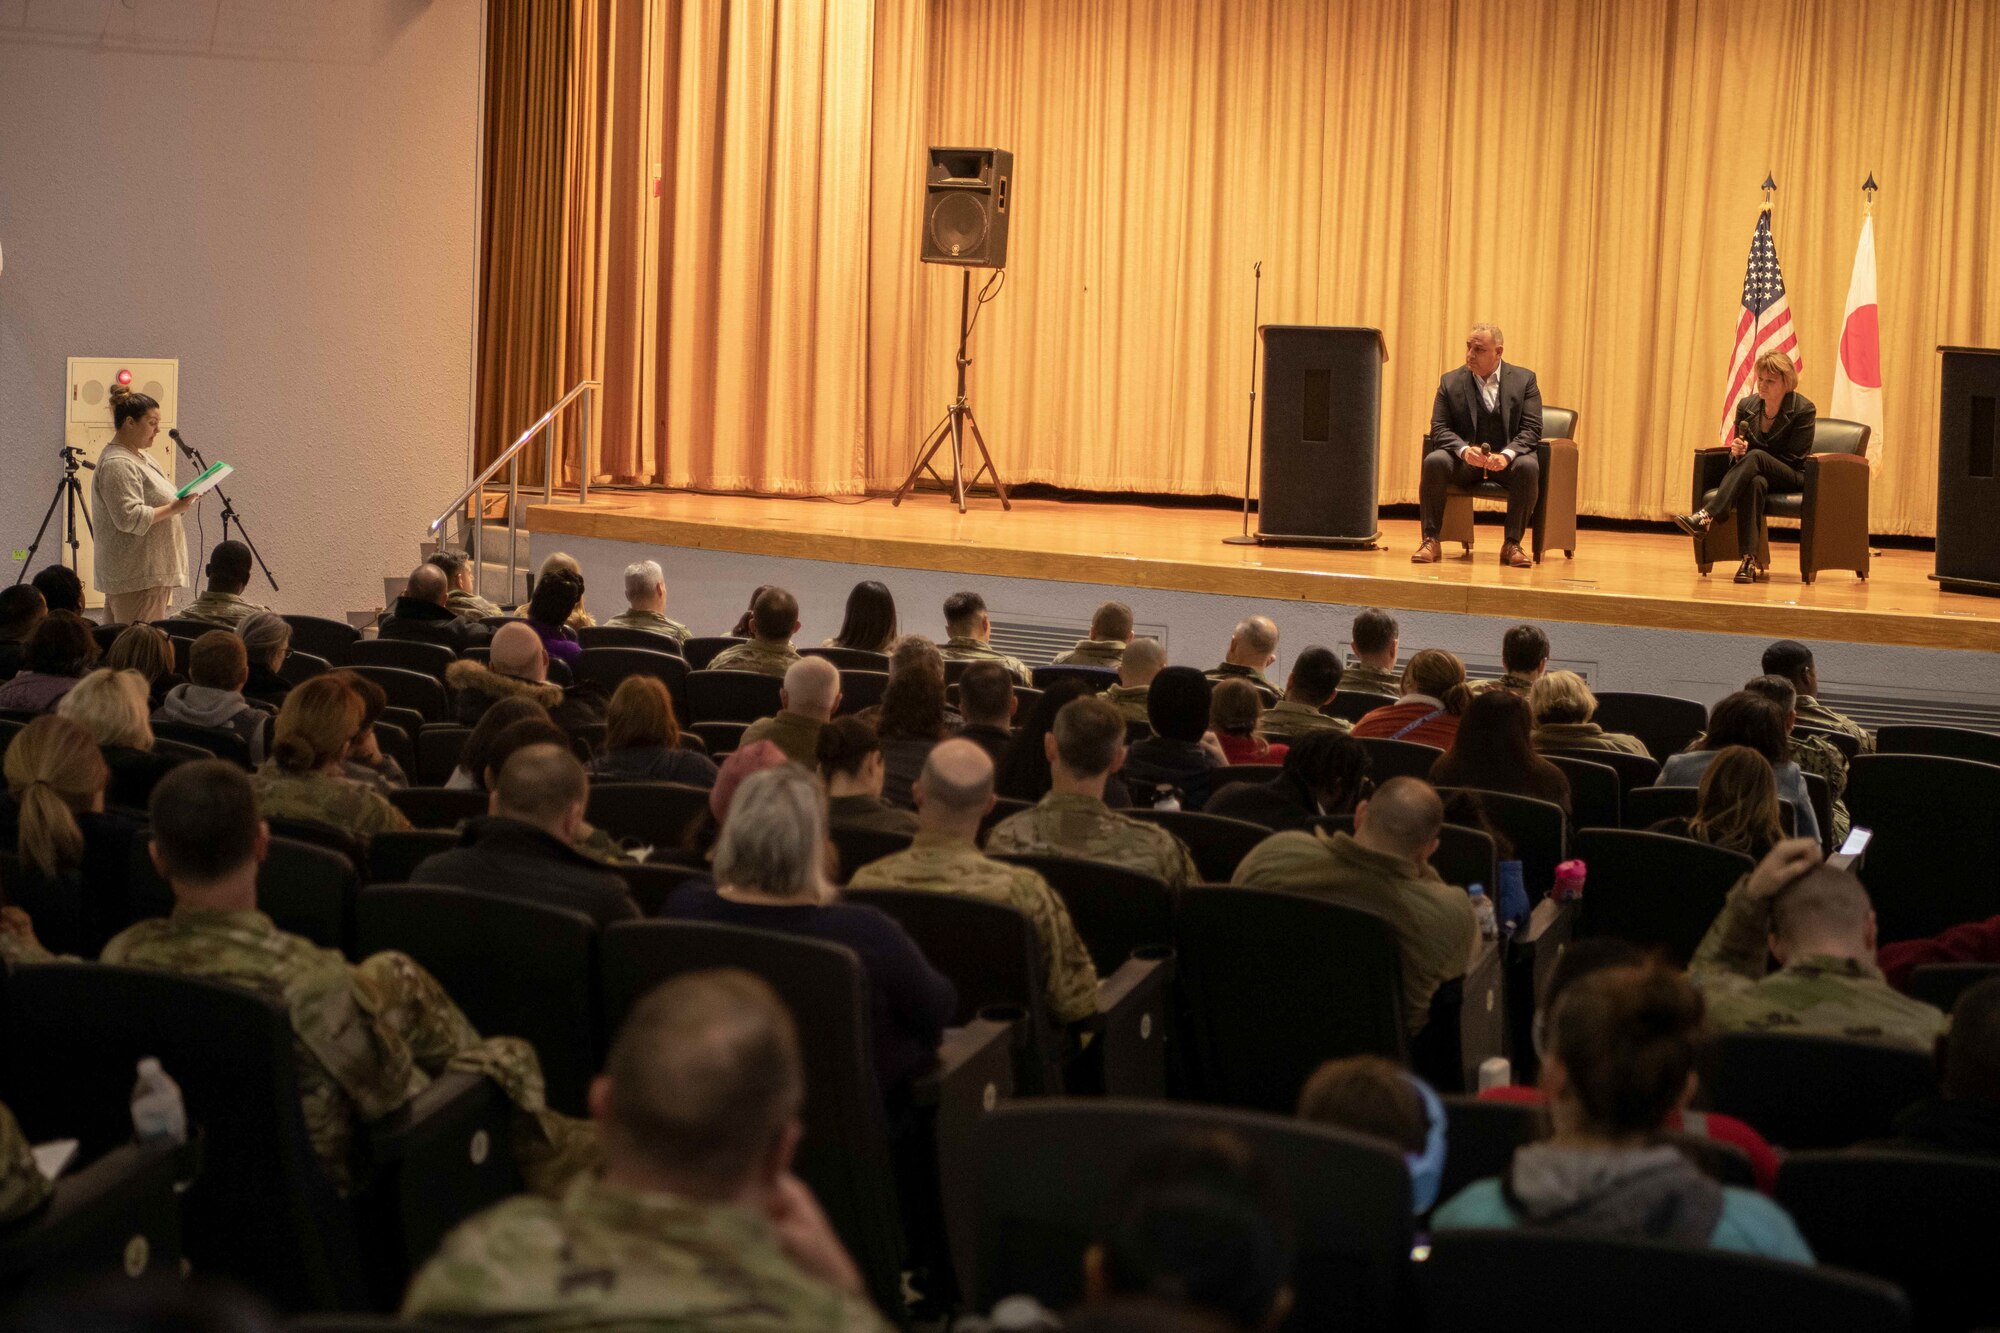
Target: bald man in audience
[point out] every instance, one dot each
(1110, 632)
(953, 794)
(525, 848)
(1085, 747)
(1143, 660)
(1383, 867)
(1252, 648)
(1818, 923)
(517, 666)
(696, 1222)
(774, 619)
(805, 704)
(423, 614)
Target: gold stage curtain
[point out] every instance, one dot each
(1581, 172)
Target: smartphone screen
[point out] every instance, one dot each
(1851, 850)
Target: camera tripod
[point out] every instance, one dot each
(957, 418)
(69, 494)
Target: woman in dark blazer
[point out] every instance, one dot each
(1774, 433)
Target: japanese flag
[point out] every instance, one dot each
(1857, 372)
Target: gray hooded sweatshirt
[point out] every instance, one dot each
(1651, 1194)
(218, 710)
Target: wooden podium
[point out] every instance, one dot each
(1968, 509)
(1322, 426)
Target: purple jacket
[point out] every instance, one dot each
(32, 692)
(559, 640)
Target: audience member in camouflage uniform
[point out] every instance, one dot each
(953, 793)
(1524, 657)
(774, 619)
(646, 603)
(1315, 676)
(1252, 647)
(1110, 632)
(1816, 921)
(970, 628)
(1375, 639)
(1383, 867)
(23, 1187)
(811, 692)
(1143, 660)
(303, 778)
(1086, 746)
(462, 600)
(697, 1223)
(228, 575)
(1794, 661)
(370, 1036)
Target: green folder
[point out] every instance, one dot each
(210, 478)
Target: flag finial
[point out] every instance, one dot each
(1769, 184)
(1868, 189)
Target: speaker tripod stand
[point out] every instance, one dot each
(957, 419)
(69, 494)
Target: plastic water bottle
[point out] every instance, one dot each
(1482, 907)
(1569, 881)
(1167, 800)
(1495, 1071)
(157, 1110)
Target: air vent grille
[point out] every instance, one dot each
(1039, 642)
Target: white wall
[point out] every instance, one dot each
(280, 193)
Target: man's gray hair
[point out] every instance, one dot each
(1490, 330)
(642, 578)
(775, 838)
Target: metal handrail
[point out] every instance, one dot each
(509, 458)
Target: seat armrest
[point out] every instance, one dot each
(121, 1213)
(1709, 466)
(1131, 1027)
(442, 1156)
(974, 1073)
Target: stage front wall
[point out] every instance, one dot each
(1583, 174)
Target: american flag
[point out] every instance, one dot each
(1766, 323)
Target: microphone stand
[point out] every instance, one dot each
(1250, 427)
(229, 514)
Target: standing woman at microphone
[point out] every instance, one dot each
(136, 518)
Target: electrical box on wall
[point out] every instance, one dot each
(87, 426)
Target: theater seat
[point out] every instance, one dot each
(1832, 509)
(1554, 521)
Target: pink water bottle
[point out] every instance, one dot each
(1569, 882)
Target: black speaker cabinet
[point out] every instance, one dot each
(1968, 510)
(967, 197)
(1322, 422)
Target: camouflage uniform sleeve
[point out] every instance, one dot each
(1179, 865)
(1072, 977)
(1731, 956)
(379, 816)
(23, 1187)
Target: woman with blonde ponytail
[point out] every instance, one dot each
(73, 853)
(1434, 697)
(305, 777)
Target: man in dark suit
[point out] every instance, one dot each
(1484, 427)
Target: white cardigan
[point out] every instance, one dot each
(134, 551)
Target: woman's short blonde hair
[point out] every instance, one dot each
(1561, 696)
(111, 706)
(1779, 364)
(145, 649)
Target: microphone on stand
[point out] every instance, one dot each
(186, 449)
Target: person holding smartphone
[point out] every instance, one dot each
(1485, 425)
(1774, 433)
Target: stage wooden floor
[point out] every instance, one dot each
(1620, 578)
